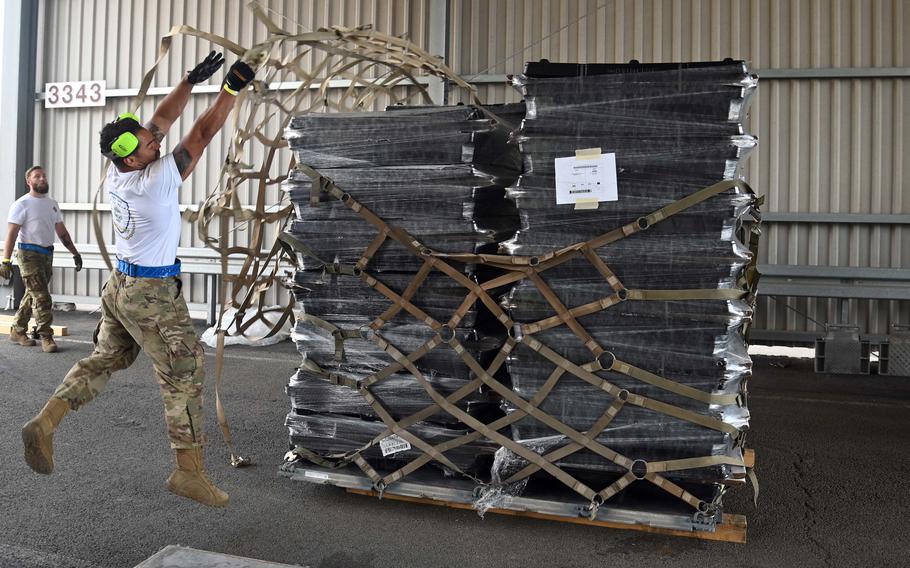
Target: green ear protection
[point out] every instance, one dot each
(126, 143)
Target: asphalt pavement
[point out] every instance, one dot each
(831, 460)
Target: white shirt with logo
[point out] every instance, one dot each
(146, 212)
(38, 217)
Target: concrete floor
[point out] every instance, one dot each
(831, 461)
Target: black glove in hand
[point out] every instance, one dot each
(6, 270)
(77, 258)
(205, 69)
(238, 76)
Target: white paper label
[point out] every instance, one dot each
(316, 474)
(75, 94)
(586, 179)
(393, 444)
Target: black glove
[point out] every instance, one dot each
(205, 69)
(77, 258)
(238, 76)
(6, 270)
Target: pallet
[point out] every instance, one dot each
(730, 528)
(6, 323)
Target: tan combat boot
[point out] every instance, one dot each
(48, 345)
(38, 435)
(21, 338)
(189, 480)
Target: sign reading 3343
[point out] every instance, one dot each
(74, 94)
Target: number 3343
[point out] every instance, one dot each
(74, 94)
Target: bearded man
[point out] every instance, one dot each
(34, 219)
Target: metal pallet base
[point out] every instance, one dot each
(842, 351)
(459, 494)
(895, 352)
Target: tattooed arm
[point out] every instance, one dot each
(190, 149)
(169, 110)
(65, 239)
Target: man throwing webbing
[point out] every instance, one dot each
(141, 304)
(35, 219)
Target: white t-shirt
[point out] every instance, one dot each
(146, 212)
(38, 217)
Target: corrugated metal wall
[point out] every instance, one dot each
(118, 42)
(826, 145)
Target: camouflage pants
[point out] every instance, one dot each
(36, 270)
(149, 314)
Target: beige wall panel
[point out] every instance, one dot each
(826, 146)
(118, 41)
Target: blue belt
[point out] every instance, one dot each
(137, 271)
(37, 248)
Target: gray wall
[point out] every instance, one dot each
(830, 112)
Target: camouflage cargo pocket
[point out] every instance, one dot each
(184, 353)
(35, 282)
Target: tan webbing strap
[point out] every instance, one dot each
(617, 486)
(366, 468)
(694, 463)
(421, 315)
(572, 447)
(463, 309)
(407, 295)
(536, 413)
(695, 199)
(635, 399)
(496, 425)
(602, 268)
(675, 490)
(673, 386)
(236, 459)
(576, 312)
(415, 441)
(395, 367)
(299, 245)
(338, 334)
(684, 294)
(332, 461)
(502, 440)
(564, 314)
(328, 376)
(371, 250)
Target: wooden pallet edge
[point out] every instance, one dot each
(732, 528)
(6, 324)
(749, 458)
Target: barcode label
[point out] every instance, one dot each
(316, 474)
(393, 444)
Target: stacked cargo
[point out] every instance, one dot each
(674, 129)
(624, 359)
(416, 169)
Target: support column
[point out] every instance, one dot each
(438, 44)
(18, 53)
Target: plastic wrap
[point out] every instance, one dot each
(448, 177)
(439, 174)
(345, 298)
(331, 434)
(400, 394)
(362, 357)
(673, 131)
(416, 136)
